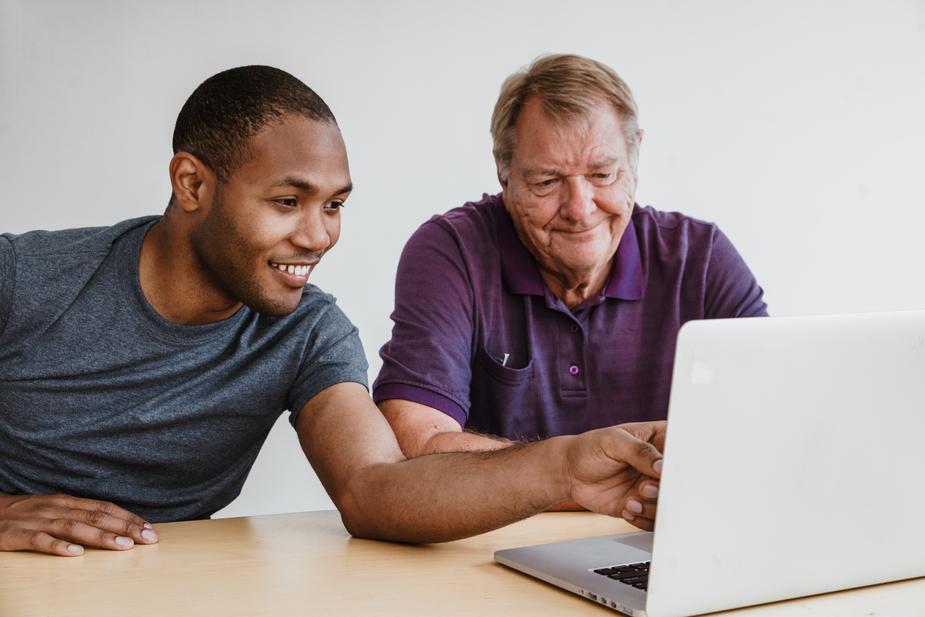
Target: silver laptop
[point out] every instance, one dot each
(793, 466)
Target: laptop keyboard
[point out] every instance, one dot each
(635, 574)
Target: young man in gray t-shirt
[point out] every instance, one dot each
(142, 365)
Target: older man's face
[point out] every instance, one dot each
(570, 189)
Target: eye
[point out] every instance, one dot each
(335, 205)
(544, 187)
(286, 202)
(603, 177)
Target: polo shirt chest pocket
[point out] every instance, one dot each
(502, 395)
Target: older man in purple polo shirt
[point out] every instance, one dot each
(553, 307)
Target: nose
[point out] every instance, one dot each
(577, 199)
(311, 233)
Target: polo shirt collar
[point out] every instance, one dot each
(521, 275)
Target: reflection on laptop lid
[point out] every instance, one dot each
(790, 442)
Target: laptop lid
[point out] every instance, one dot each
(793, 460)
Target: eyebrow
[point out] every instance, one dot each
(308, 187)
(609, 161)
(541, 171)
(605, 162)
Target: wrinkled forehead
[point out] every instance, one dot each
(595, 133)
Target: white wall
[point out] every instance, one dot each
(798, 126)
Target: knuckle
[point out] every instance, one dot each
(67, 525)
(643, 449)
(96, 517)
(35, 541)
(107, 507)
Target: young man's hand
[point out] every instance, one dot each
(615, 470)
(64, 525)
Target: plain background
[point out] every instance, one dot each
(797, 126)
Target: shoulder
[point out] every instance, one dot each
(672, 226)
(45, 270)
(673, 237)
(71, 243)
(474, 222)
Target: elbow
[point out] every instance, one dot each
(358, 521)
(367, 515)
(357, 512)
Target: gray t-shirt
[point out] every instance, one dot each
(101, 397)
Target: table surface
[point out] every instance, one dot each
(306, 563)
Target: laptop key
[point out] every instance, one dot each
(634, 580)
(623, 569)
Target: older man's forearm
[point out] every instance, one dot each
(461, 441)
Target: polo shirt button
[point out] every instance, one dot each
(574, 328)
(574, 370)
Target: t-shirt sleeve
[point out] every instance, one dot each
(334, 355)
(731, 288)
(7, 280)
(427, 360)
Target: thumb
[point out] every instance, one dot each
(642, 455)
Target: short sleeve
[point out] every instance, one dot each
(7, 280)
(731, 288)
(334, 355)
(428, 359)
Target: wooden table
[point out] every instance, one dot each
(306, 564)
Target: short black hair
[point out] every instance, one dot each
(227, 109)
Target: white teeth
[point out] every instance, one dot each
(300, 270)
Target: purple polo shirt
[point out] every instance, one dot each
(480, 337)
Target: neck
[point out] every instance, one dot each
(573, 288)
(174, 282)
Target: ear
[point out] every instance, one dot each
(639, 135)
(192, 181)
(502, 177)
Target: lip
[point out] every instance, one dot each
(576, 234)
(296, 262)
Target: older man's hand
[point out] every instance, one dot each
(615, 470)
(63, 525)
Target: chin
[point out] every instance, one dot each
(274, 307)
(582, 261)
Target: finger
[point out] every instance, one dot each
(638, 521)
(653, 432)
(87, 535)
(45, 543)
(108, 522)
(23, 539)
(647, 490)
(79, 503)
(636, 508)
(624, 446)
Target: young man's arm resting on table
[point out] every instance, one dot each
(440, 497)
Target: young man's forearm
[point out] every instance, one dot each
(446, 496)
(467, 441)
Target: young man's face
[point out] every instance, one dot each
(276, 215)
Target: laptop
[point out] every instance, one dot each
(793, 466)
